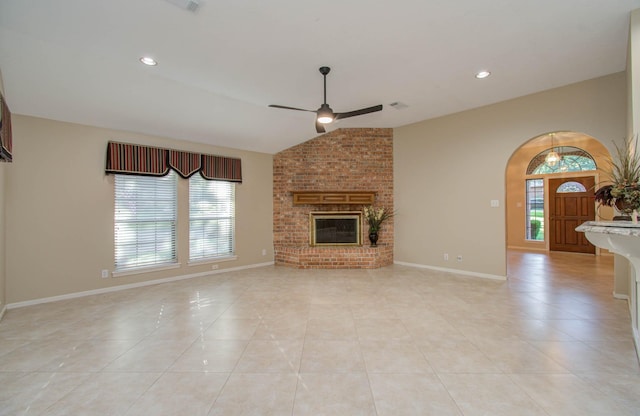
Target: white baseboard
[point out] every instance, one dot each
(620, 296)
(538, 249)
(636, 339)
(453, 271)
(129, 286)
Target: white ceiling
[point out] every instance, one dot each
(219, 68)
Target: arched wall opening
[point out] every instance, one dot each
(516, 177)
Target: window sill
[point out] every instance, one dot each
(212, 260)
(140, 270)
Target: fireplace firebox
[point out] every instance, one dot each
(335, 228)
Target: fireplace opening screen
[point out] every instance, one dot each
(335, 228)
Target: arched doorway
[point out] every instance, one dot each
(538, 217)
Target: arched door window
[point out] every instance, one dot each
(569, 187)
(572, 159)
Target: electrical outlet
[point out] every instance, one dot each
(459, 258)
(264, 251)
(105, 273)
(214, 267)
(446, 256)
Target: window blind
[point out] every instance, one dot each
(211, 218)
(145, 220)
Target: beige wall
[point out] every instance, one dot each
(59, 206)
(447, 170)
(633, 66)
(3, 295)
(516, 177)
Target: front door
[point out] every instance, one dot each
(570, 204)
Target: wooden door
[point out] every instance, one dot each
(569, 207)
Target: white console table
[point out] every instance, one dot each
(623, 238)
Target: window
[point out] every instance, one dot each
(535, 209)
(572, 159)
(211, 218)
(570, 187)
(145, 221)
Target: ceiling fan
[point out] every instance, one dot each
(325, 114)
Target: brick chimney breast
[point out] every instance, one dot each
(344, 160)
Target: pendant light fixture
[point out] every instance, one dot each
(325, 114)
(552, 158)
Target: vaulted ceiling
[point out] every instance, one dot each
(221, 66)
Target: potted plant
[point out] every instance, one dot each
(622, 189)
(375, 218)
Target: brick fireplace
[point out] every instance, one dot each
(345, 160)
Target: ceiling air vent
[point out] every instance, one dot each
(398, 105)
(191, 5)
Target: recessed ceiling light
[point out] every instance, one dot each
(483, 74)
(147, 60)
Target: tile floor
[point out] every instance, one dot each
(278, 341)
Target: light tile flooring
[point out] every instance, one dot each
(277, 341)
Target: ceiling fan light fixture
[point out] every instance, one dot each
(325, 114)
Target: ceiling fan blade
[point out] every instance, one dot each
(359, 112)
(320, 128)
(290, 108)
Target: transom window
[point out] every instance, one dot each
(572, 159)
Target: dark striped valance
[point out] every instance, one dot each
(6, 143)
(135, 159)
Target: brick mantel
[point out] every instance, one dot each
(356, 162)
